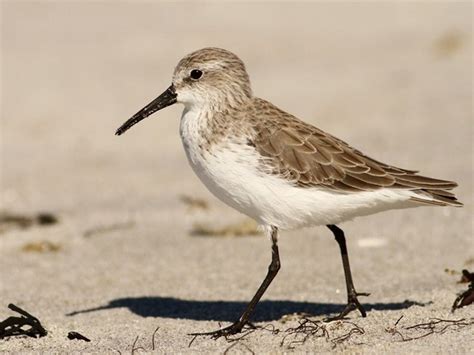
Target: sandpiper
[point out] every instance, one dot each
(277, 169)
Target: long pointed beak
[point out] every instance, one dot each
(164, 100)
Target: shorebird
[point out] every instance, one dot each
(276, 168)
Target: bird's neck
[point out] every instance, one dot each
(204, 126)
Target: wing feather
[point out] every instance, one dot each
(309, 157)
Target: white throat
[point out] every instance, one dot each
(192, 126)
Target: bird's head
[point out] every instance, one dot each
(210, 78)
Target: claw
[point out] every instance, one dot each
(230, 330)
(352, 304)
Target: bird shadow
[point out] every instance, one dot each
(228, 311)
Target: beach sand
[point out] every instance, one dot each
(392, 79)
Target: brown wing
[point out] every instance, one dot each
(310, 157)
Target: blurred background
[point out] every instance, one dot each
(394, 79)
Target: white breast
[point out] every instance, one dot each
(226, 169)
(232, 171)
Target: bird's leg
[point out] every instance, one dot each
(352, 301)
(243, 320)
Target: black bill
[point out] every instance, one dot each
(165, 99)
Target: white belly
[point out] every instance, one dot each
(232, 171)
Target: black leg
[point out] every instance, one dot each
(273, 268)
(352, 301)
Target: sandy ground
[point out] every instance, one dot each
(393, 79)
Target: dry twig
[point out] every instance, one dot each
(433, 326)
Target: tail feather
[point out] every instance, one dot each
(429, 190)
(443, 193)
(436, 197)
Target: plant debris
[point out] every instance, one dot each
(451, 271)
(466, 277)
(469, 261)
(136, 348)
(11, 221)
(194, 202)
(25, 325)
(467, 297)
(449, 43)
(106, 229)
(309, 328)
(42, 246)
(433, 326)
(246, 347)
(236, 339)
(247, 227)
(45, 219)
(78, 336)
(293, 317)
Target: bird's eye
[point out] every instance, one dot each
(195, 74)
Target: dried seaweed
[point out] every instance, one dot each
(192, 340)
(451, 271)
(467, 297)
(78, 336)
(248, 329)
(433, 326)
(107, 228)
(312, 329)
(135, 348)
(194, 202)
(466, 277)
(237, 339)
(25, 325)
(46, 219)
(226, 351)
(293, 317)
(42, 246)
(307, 328)
(469, 261)
(17, 221)
(153, 338)
(449, 43)
(247, 227)
(335, 332)
(344, 337)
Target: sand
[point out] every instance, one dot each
(393, 79)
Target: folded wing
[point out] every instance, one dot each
(310, 157)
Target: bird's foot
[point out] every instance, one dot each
(224, 332)
(352, 304)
